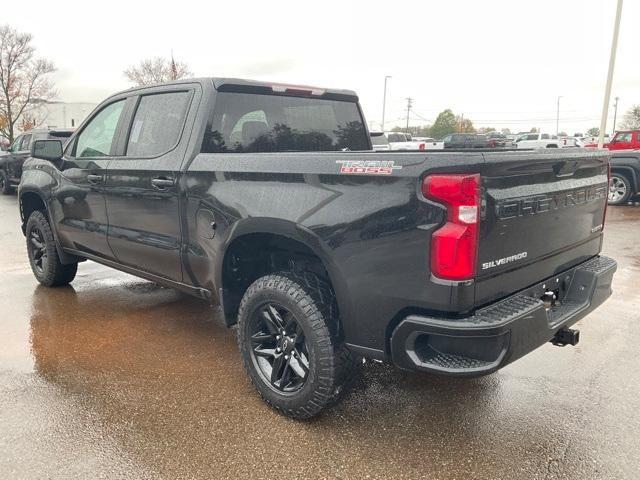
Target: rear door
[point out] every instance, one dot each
(142, 191)
(543, 213)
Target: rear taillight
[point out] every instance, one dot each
(454, 246)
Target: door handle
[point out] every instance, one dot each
(95, 179)
(162, 183)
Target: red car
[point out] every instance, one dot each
(625, 140)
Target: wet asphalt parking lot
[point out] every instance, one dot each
(116, 377)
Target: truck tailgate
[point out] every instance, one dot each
(542, 213)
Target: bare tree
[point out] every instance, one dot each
(156, 70)
(23, 80)
(632, 118)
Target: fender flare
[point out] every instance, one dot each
(293, 231)
(630, 174)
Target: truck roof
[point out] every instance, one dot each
(254, 86)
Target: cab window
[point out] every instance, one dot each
(624, 137)
(248, 122)
(157, 124)
(96, 138)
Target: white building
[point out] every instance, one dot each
(63, 114)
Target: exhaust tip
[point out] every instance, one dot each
(566, 336)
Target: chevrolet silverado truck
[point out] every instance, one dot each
(268, 200)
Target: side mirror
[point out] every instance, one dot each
(47, 150)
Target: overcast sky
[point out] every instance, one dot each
(502, 63)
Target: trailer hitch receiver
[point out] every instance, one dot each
(566, 336)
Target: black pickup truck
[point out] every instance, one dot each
(268, 200)
(11, 162)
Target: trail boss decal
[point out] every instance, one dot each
(504, 261)
(373, 167)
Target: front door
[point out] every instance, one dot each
(142, 192)
(79, 208)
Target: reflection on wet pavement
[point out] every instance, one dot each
(116, 377)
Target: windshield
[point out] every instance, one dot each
(246, 122)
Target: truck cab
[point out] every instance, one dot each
(625, 140)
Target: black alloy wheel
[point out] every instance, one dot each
(279, 349)
(37, 250)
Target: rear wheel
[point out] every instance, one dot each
(619, 189)
(43, 254)
(5, 185)
(290, 344)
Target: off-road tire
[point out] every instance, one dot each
(5, 185)
(331, 365)
(51, 272)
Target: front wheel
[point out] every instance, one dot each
(619, 189)
(290, 343)
(43, 254)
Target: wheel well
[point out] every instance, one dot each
(255, 255)
(552, 145)
(29, 203)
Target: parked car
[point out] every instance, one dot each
(379, 141)
(430, 143)
(571, 142)
(11, 162)
(499, 140)
(538, 140)
(266, 200)
(625, 176)
(623, 140)
(403, 141)
(465, 140)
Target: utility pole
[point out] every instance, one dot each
(409, 104)
(615, 115)
(384, 101)
(558, 117)
(612, 64)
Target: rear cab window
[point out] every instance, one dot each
(256, 122)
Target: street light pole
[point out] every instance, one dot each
(558, 117)
(612, 64)
(615, 114)
(384, 101)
